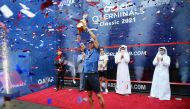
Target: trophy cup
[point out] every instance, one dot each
(81, 26)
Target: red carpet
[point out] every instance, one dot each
(71, 99)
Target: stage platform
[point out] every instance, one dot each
(71, 98)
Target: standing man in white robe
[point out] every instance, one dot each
(123, 83)
(161, 85)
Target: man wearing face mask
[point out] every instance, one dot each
(61, 68)
(123, 83)
(160, 84)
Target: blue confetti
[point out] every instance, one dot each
(21, 56)
(79, 99)
(18, 69)
(49, 101)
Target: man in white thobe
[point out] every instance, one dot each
(123, 83)
(160, 84)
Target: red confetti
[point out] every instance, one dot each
(46, 4)
(77, 20)
(101, 10)
(115, 8)
(93, 3)
(19, 17)
(46, 15)
(26, 50)
(60, 28)
(2, 25)
(131, 62)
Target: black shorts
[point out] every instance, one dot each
(92, 82)
(103, 73)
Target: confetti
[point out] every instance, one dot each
(46, 4)
(18, 69)
(6, 11)
(19, 17)
(34, 67)
(2, 25)
(24, 6)
(85, 99)
(101, 11)
(49, 101)
(21, 56)
(26, 50)
(79, 99)
(93, 2)
(27, 13)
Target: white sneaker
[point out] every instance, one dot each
(106, 90)
(74, 82)
(101, 90)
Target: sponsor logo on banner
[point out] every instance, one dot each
(19, 84)
(45, 80)
(68, 82)
(127, 11)
(139, 87)
(134, 86)
(132, 53)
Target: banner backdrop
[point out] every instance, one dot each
(143, 26)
